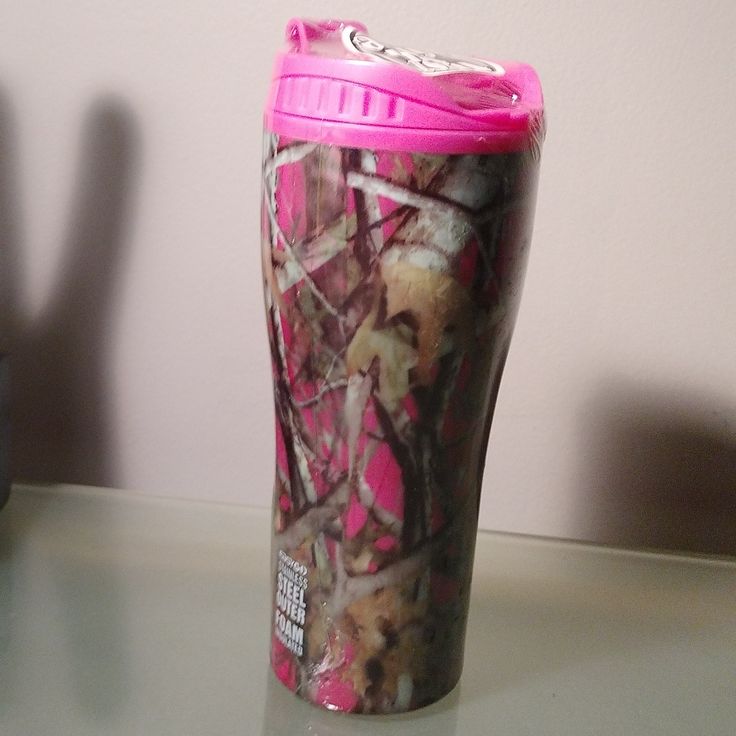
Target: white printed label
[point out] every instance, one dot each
(426, 62)
(291, 604)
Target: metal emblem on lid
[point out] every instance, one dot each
(428, 63)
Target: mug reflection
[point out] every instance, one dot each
(287, 715)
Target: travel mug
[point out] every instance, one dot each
(398, 197)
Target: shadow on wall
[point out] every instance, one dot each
(59, 359)
(663, 472)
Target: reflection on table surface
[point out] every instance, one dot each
(285, 714)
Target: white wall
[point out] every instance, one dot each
(129, 149)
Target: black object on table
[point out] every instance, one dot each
(4, 429)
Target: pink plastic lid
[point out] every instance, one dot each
(335, 84)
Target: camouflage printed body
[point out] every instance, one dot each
(392, 282)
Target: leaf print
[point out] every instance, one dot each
(436, 300)
(392, 346)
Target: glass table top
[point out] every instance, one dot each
(124, 614)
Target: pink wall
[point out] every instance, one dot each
(129, 187)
